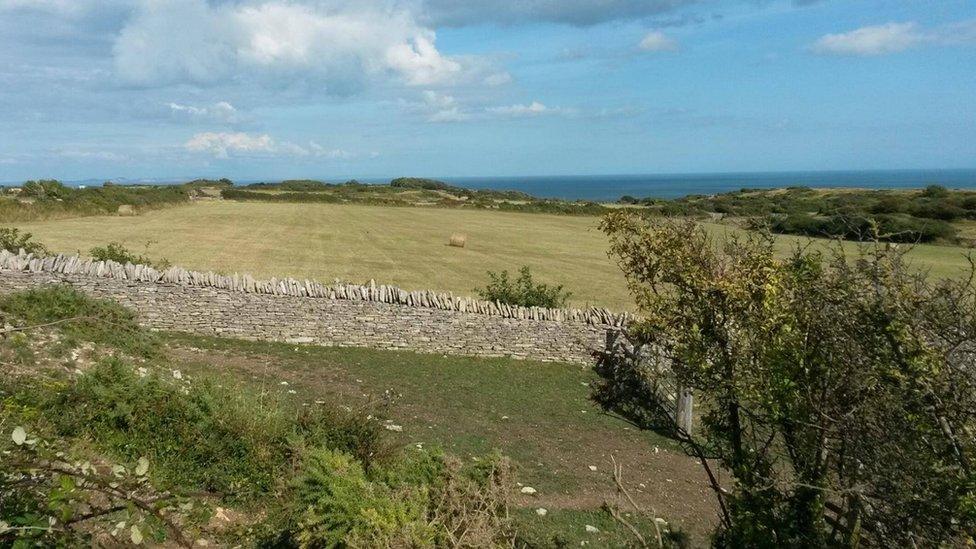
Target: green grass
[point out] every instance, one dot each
(406, 246)
(241, 418)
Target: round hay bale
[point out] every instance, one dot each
(126, 210)
(458, 240)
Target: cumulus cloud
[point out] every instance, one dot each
(222, 144)
(342, 46)
(894, 38)
(221, 111)
(443, 108)
(874, 40)
(657, 41)
(228, 144)
(532, 109)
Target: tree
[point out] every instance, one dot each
(839, 392)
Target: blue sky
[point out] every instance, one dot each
(253, 89)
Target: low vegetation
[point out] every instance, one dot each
(523, 291)
(110, 438)
(925, 215)
(47, 199)
(12, 240)
(319, 475)
(116, 251)
(838, 392)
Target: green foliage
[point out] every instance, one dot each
(80, 318)
(45, 189)
(935, 191)
(201, 435)
(523, 291)
(53, 199)
(199, 183)
(838, 392)
(883, 227)
(241, 194)
(421, 183)
(12, 240)
(423, 500)
(116, 251)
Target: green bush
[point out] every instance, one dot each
(12, 240)
(837, 391)
(202, 436)
(116, 251)
(421, 183)
(935, 191)
(45, 189)
(80, 317)
(424, 499)
(53, 199)
(523, 291)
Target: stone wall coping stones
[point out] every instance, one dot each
(76, 265)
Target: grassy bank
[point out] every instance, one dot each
(276, 445)
(406, 246)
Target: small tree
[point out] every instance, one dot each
(12, 240)
(839, 392)
(523, 291)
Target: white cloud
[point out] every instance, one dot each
(323, 152)
(228, 144)
(657, 41)
(340, 44)
(875, 40)
(443, 108)
(532, 109)
(218, 112)
(222, 144)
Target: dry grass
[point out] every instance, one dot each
(403, 246)
(458, 240)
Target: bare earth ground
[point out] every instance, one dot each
(537, 414)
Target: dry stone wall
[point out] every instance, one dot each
(296, 311)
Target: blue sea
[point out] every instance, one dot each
(612, 187)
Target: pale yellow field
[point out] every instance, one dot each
(394, 245)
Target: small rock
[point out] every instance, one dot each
(177, 374)
(541, 511)
(592, 467)
(393, 427)
(528, 490)
(592, 529)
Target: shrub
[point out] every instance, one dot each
(423, 500)
(420, 183)
(80, 317)
(523, 291)
(45, 189)
(116, 251)
(202, 436)
(935, 191)
(838, 392)
(12, 240)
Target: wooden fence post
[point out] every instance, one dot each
(684, 406)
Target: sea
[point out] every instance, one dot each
(603, 188)
(612, 187)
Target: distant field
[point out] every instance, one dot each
(405, 246)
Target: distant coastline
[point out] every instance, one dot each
(604, 188)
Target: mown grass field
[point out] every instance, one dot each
(405, 246)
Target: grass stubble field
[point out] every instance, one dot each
(538, 414)
(405, 246)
